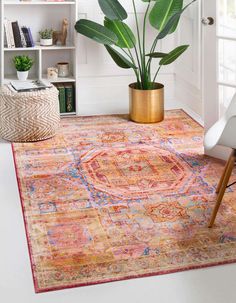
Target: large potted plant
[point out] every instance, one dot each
(128, 51)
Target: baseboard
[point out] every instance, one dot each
(190, 97)
(192, 114)
(108, 108)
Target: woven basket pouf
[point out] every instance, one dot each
(29, 116)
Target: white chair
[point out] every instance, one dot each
(223, 133)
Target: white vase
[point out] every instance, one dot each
(22, 76)
(46, 42)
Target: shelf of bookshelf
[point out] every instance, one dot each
(60, 79)
(39, 3)
(39, 47)
(71, 79)
(18, 49)
(68, 114)
(9, 78)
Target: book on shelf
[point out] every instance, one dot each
(9, 34)
(70, 100)
(66, 97)
(23, 40)
(17, 36)
(28, 36)
(62, 97)
(31, 37)
(12, 40)
(16, 33)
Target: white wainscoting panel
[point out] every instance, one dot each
(109, 94)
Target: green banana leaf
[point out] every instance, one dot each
(167, 28)
(113, 10)
(162, 11)
(173, 55)
(96, 32)
(126, 38)
(157, 55)
(119, 59)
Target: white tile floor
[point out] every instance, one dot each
(212, 285)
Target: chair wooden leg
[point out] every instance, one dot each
(225, 181)
(223, 175)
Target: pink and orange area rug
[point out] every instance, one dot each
(108, 200)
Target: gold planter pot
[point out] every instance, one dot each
(146, 106)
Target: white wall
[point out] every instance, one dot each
(103, 87)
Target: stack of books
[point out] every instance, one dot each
(66, 97)
(28, 86)
(17, 36)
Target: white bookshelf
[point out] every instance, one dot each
(39, 15)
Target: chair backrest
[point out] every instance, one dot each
(228, 137)
(223, 131)
(231, 110)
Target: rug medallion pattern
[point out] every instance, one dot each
(108, 199)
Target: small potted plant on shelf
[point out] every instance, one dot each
(23, 64)
(46, 37)
(131, 52)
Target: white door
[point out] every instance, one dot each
(219, 60)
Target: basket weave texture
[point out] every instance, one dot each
(29, 116)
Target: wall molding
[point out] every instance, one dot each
(110, 95)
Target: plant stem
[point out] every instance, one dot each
(144, 44)
(127, 54)
(139, 39)
(133, 61)
(136, 52)
(154, 79)
(140, 82)
(150, 59)
(139, 64)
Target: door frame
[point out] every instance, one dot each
(210, 92)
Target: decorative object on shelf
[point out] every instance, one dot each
(52, 73)
(63, 69)
(40, 108)
(60, 36)
(164, 16)
(23, 64)
(46, 37)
